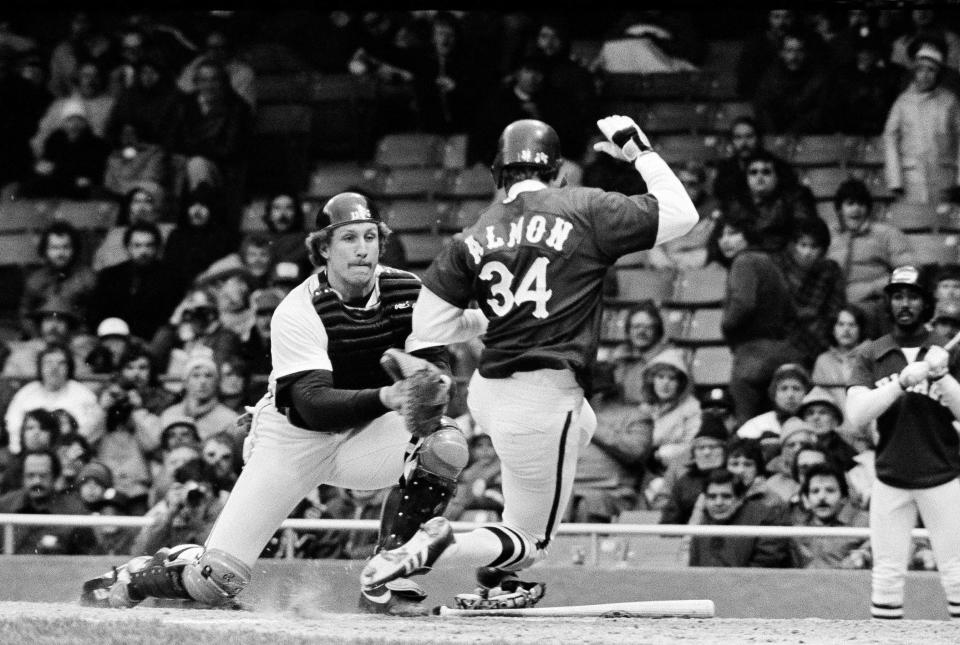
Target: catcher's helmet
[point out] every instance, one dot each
(528, 143)
(345, 208)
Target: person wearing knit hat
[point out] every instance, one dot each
(921, 161)
(796, 435)
(201, 378)
(789, 384)
(822, 412)
(684, 485)
(94, 479)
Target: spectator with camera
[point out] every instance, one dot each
(824, 494)
(94, 481)
(186, 513)
(37, 496)
(222, 457)
(62, 274)
(55, 388)
(194, 326)
(113, 341)
(179, 443)
(74, 453)
(126, 441)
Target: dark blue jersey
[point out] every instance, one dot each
(535, 265)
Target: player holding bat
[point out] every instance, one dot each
(907, 382)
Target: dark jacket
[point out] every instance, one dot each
(793, 102)
(743, 551)
(142, 296)
(59, 540)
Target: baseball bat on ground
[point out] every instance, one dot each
(639, 609)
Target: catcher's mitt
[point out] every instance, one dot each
(425, 390)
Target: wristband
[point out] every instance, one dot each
(937, 378)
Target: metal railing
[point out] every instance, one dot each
(593, 531)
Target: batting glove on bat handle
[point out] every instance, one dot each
(913, 374)
(625, 140)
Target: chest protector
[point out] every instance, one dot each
(357, 337)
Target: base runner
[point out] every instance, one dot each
(535, 263)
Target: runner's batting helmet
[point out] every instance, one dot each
(527, 143)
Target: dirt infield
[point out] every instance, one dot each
(49, 623)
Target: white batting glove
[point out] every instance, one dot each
(939, 361)
(625, 140)
(913, 374)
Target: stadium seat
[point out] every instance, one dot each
(19, 249)
(644, 284)
(280, 154)
(933, 248)
(674, 116)
(711, 366)
(25, 214)
(87, 215)
(718, 85)
(823, 182)
(455, 151)
(913, 218)
(680, 148)
(727, 111)
(867, 151)
(613, 325)
(703, 327)
(422, 248)
(406, 182)
(780, 144)
(409, 149)
(674, 321)
(475, 182)
(818, 150)
(340, 87)
(411, 215)
(328, 179)
(465, 212)
(623, 86)
(286, 118)
(699, 287)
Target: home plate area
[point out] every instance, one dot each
(49, 623)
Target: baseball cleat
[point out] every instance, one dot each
(400, 597)
(110, 589)
(416, 556)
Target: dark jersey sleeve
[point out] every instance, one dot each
(312, 402)
(624, 224)
(449, 275)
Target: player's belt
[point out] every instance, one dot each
(286, 411)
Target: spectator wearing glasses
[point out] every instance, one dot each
(730, 181)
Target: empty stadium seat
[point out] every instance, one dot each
(823, 182)
(712, 365)
(673, 116)
(87, 215)
(703, 327)
(700, 287)
(727, 112)
(26, 214)
(409, 149)
(475, 182)
(818, 150)
(674, 321)
(328, 179)
(455, 151)
(406, 182)
(644, 284)
(680, 148)
(411, 215)
(913, 218)
(18, 249)
(866, 151)
(780, 145)
(933, 248)
(422, 248)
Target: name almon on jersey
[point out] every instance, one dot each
(536, 230)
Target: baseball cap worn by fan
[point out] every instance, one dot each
(711, 428)
(199, 358)
(906, 275)
(930, 53)
(345, 208)
(113, 327)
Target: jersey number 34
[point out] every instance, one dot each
(532, 287)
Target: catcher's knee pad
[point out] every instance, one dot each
(444, 453)
(427, 486)
(216, 576)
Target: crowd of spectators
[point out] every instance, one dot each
(135, 352)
